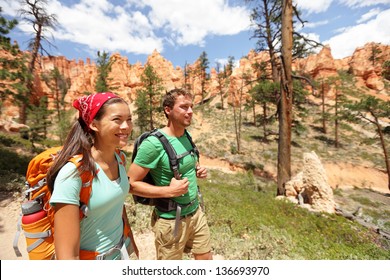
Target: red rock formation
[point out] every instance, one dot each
(126, 78)
(318, 66)
(369, 72)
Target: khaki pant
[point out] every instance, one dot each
(193, 236)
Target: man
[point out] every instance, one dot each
(175, 231)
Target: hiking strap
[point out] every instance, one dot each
(192, 143)
(40, 235)
(121, 247)
(178, 217)
(17, 235)
(177, 220)
(173, 160)
(190, 152)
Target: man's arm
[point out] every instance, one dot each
(137, 173)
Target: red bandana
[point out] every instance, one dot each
(89, 105)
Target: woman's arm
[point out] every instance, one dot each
(67, 231)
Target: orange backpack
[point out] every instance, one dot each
(37, 217)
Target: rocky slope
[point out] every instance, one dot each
(126, 77)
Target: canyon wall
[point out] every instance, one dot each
(126, 77)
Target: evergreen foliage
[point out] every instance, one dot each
(59, 85)
(35, 13)
(39, 121)
(386, 70)
(148, 98)
(104, 64)
(203, 66)
(142, 111)
(13, 70)
(375, 54)
(370, 109)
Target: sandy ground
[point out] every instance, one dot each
(340, 175)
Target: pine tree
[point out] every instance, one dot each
(203, 65)
(59, 86)
(371, 109)
(104, 64)
(38, 121)
(274, 28)
(263, 93)
(13, 69)
(149, 97)
(142, 111)
(35, 13)
(375, 54)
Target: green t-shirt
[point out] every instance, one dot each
(151, 154)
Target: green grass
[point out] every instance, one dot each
(13, 166)
(247, 222)
(366, 201)
(250, 224)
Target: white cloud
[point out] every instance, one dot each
(224, 62)
(190, 22)
(9, 7)
(313, 6)
(375, 30)
(100, 25)
(363, 3)
(372, 13)
(139, 27)
(316, 24)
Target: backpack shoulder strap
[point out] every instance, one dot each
(192, 143)
(173, 160)
(139, 140)
(122, 157)
(86, 187)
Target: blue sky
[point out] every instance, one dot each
(181, 29)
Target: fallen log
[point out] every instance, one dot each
(354, 216)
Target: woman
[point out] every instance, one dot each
(103, 126)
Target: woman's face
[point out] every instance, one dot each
(114, 127)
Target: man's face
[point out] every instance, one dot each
(181, 113)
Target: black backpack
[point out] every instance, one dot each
(162, 204)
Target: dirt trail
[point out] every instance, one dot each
(340, 175)
(9, 215)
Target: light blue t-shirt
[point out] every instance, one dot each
(103, 228)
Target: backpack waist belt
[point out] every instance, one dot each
(178, 207)
(120, 247)
(168, 205)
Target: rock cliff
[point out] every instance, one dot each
(126, 77)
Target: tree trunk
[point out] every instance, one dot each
(336, 122)
(265, 120)
(285, 103)
(151, 112)
(236, 126)
(254, 114)
(380, 132)
(323, 109)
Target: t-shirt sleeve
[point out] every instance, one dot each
(67, 186)
(149, 153)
